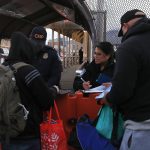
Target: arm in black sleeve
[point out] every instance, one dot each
(56, 69)
(35, 84)
(78, 83)
(125, 76)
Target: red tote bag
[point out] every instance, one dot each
(52, 133)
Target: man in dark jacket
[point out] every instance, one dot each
(81, 55)
(1, 51)
(47, 61)
(30, 83)
(131, 82)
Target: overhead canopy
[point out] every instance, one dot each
(23, 15)
(68, 29)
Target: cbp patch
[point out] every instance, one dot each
(45, 55)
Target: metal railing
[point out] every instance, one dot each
(70, 61)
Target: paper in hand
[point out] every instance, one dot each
(101, 95)
(96, 89)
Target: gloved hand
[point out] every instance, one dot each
(57, 88)
(54, 90)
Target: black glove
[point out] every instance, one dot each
(54, 90)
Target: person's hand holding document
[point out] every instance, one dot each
(102, 95)
(86, 85)
(97, 89)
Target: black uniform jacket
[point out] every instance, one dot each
(49, 65)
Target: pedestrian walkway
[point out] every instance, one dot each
(68, 76)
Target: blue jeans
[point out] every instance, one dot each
(27, 144)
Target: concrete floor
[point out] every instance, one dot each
(67, 77)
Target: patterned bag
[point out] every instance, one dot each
(52, 133)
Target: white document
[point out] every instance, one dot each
(101, 95)
(97, 89)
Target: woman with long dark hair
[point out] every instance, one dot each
(99, 70)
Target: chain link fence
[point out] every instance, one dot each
(107, 14)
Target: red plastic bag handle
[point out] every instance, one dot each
(57, 112)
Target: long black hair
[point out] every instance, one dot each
(21, 49)
(107, 48)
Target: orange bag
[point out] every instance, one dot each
(52, 133)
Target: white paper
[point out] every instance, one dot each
(97, 89)
(101, 95)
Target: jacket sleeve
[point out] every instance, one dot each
(56, 69)
(40, 93)
(125, 76)
(77, 84)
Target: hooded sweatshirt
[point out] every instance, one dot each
(131, 82)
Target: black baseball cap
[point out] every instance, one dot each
(38, 33)
(129, 15)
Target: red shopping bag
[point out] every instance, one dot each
(52, 133)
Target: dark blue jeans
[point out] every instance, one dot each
(27, 144)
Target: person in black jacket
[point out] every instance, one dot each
(81, 55)
(131, 81)
(102, 65)
(47, 61)
(1, 51)
(30, 83)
